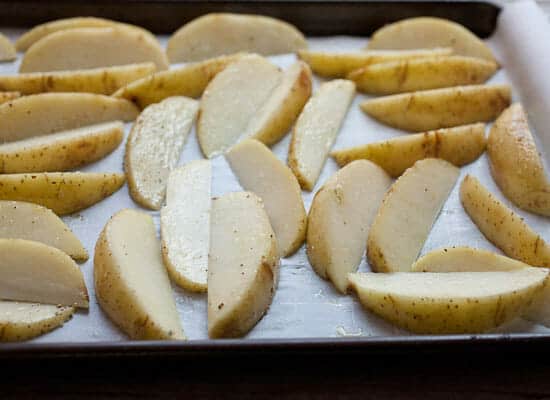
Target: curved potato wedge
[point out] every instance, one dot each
(243, 264)
(154, 147)
(131, 284)
(515, 163)
(317, 128)
(408, 213)
(453, 302)
(7, 49)
(62, 192)
(501, 226)
(459, 146)
(217, 34)
(439, 108)
(83, 48)
(20, 220)
(61, 151)
(35, 272)
(340, 217)
(7, 96)
(261, 172)
(427, 32)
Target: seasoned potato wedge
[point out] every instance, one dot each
(340, 217)
(408, 213)
(428, 32)
(243, 264)
(154, 147)
(42, 114)
(7, 96)
(439, 108)
(35, 272)
(83, 48)
(61, 151)
(501, 226)
(261, 172)
(131, 284)
(20, 220)
(217, 34)
(62, 192)
(185, 225)
(454, 302)
(459, 146)
(7, 49)
(515, 163)
(317, 128)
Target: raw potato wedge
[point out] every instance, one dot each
(439, 108)
(185, 225)
(62, 192)
(339, 65)
(131, 284)
(97, 80)
(61, 151)
(428, 32)
(422, 74)
(35, 272)
(189, 80)
(317, 128)
(340, 217)
(243, 265)
(217, 34)
(154, 147)
(459, 146)
(42, 114)
(83, 48)
(515, 163)
(231, 99)
(261, 172)
(7, 49)
(7, 96)
(24, 321)
(408, 213)
(20, 220)
(454, 302)
(501, 226)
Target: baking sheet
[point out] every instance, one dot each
(305, 305)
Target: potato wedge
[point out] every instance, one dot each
(439, 108)
(61, 151)
(515, 163)
(20, 220)
(408, 213)
(422, 74)
(185, 225)
(261, 172)
(459, 146)
(62, 192)
(340, 217)
(501, 226)
(339, 65)
(218, 34)
(7, 96)
(243, 264)
(83, 48)
(7, 49)
(454, 302)
(42, 114)
(35, 272)
(428, 32)
(316, 130)
(97, 80)
(24, 321)
(231, 99)
(131, 284)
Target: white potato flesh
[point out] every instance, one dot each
(261, 172)
(185, 225)
(35, 272)
(408, 213)
(154, 147)
(340, 217)
(7, 49)
(317, 128)
(7, 96)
